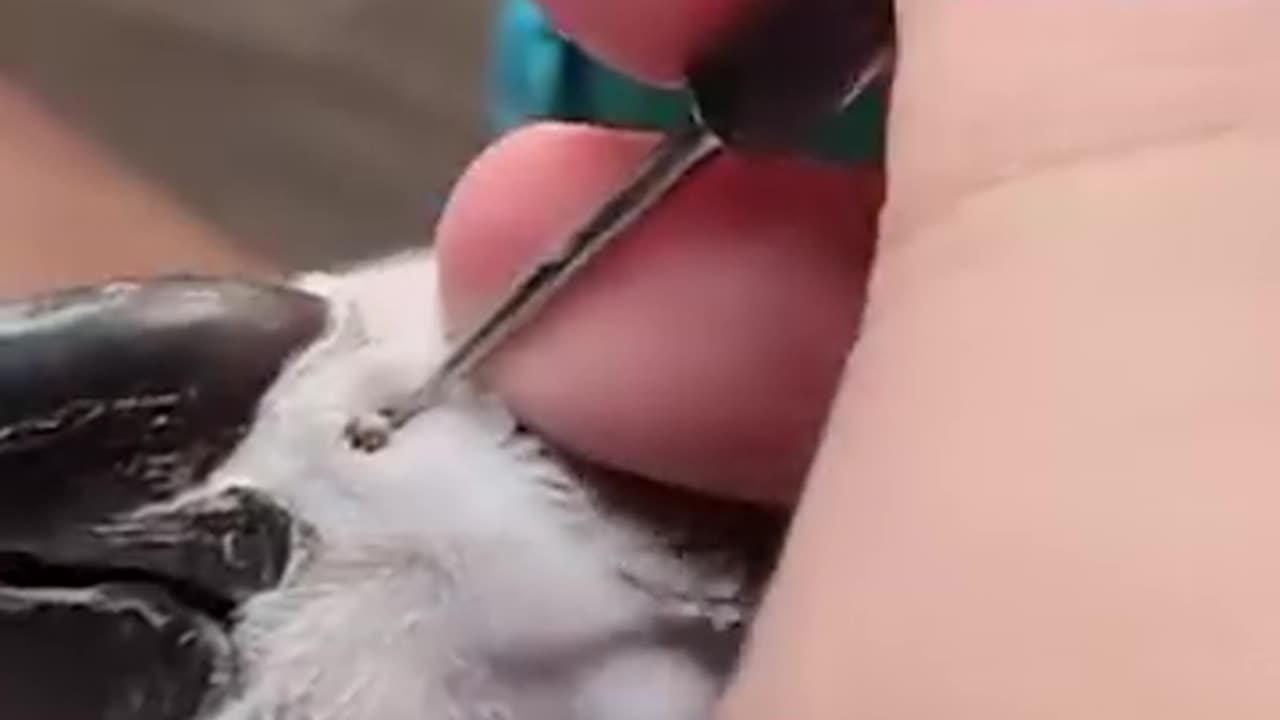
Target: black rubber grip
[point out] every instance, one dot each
(785, 67)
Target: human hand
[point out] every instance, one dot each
(718, 379)
(70, 214)
(1048, 482)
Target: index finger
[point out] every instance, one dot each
(650, 39)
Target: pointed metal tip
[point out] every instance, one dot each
(373, 432)
(668, 165)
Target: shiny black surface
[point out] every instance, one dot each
(107, 653)
(786, 68)
(115, 599)
(217, 550)
(118, 396)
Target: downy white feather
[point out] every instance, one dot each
(462, 573)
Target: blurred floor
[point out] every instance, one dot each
(315, 131)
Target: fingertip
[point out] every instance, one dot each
(704, 347)
(651, 39)
(521, 196)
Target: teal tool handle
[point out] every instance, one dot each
(537, 74)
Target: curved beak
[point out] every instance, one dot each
(116, 401)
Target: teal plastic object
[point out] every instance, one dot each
(537, 74)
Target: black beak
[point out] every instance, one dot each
(114, 400)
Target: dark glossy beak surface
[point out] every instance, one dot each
(113, 399)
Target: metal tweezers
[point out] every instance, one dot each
(743, 99)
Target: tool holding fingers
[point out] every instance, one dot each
(785, 67)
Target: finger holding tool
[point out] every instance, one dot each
(785, 67)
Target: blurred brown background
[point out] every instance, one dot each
(317, 131)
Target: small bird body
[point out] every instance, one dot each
(466, 571)
(461, 572)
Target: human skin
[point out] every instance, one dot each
(70, 214)
(1047, 487)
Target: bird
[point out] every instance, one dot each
(187, 534)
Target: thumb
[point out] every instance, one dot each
(987, 91)
(1071, 315)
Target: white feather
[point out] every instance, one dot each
(460, 573)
